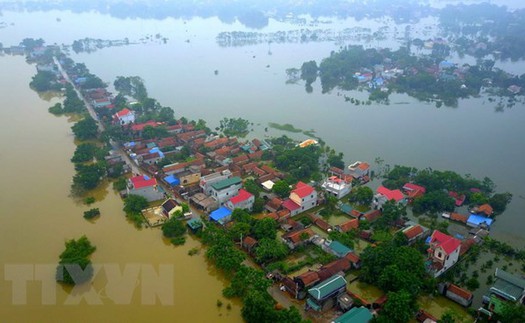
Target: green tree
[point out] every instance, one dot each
(399, 307)
(135, 203)
(270, 250)
(363, 195)
(499, 202)
(84, 152)
(56, 109)
(246, 279)
(74, 266)
(239, 230)
(88, 177)
(173, 228)
(258, 205)
(281, 188)
(251, 186)
(512, 313)
(265, 228)
(258, 307)
(85, 129)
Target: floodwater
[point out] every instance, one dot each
(38, 216)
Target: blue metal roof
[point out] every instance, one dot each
(476, 220)
(172, 180)
(220, 214)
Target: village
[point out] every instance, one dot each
(324, 223)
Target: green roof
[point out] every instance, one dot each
(339, 249)
(194, 224)
(328, 287)
(313, 305)
(508, 285)
(355, 315)
(226, 183)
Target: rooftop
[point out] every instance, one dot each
(225, 183)
(446, 242)
(241, 197)
(328, 287)
(142, 181)
(355, 315)
(303, 190)
(390, 194)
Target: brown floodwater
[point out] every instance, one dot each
(37, 216)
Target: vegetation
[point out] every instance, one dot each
(232, 127)
(85, 129)
(133, 206)
(56, 109)
(74, 266)
(87, 177)
(362, 195)
(92, 213)
(300, 163)
(84, 152)
(281, 188)
(174, 229)
(270, 250)
(45, 81)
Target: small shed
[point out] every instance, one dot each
(172, 180)
(222, 215)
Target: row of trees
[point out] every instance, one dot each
(75, 266)
(247, 283)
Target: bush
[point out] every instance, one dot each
(91, 213)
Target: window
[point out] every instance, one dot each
(440, 254)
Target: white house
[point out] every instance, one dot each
(243, 200)
(359, 169)
(302, 198)
(384, 195)
(144, 186)
(207, 181)
(125, 116)
(443, 252)
(225, 189)
(336, 186)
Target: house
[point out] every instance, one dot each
(355, 315)
(413, 191)
(336, 186)
(144, 186)
(338, 249)
(456, 293)
(307, 142)
(354, 260)
(297, 238)
(100, 103)
(302, 198)
(384, 195)
(304, 281)
(475, 220)
(323, 296)
(443, 252)
(455, 217)
(194, 224)
(359, 169)
(222, 215)
(459, 199)
(243, 200)
(506, 288)
(484, 209)
(414, 232)
(223, 190)
(370, 216)
(352, 224)
(207, 181)
(274, 204)
(249, 244)
(203, 202)
(124, 116)
(172, 180)
(169, 207)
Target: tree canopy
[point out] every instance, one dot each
(74, 266)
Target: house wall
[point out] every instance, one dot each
(190, 179)
(226, 194)
(306, 203)
(150, 193)
(247, 204)
(127, 119)
(207, 181)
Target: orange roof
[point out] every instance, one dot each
(363, 166)
(413, 231)
(459, 217)
(352, 257)
(295, 236)
(463, 293)
(349, 225)
(249, 241)
(485, 208)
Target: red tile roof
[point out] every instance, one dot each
(290, 205)
(143, 181)
(295, 236)
(363, 166)
(372, 215)
(249, 242)
(241, 197)
(349, 225)
(123, 112)
(446, 242)
(413, 232)
(485, 208)
(322, 224)
(390, 194)
(141, 126)
(308, 278)
(459, 217)
(414, 187)
(353, 258)
(303, 190)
